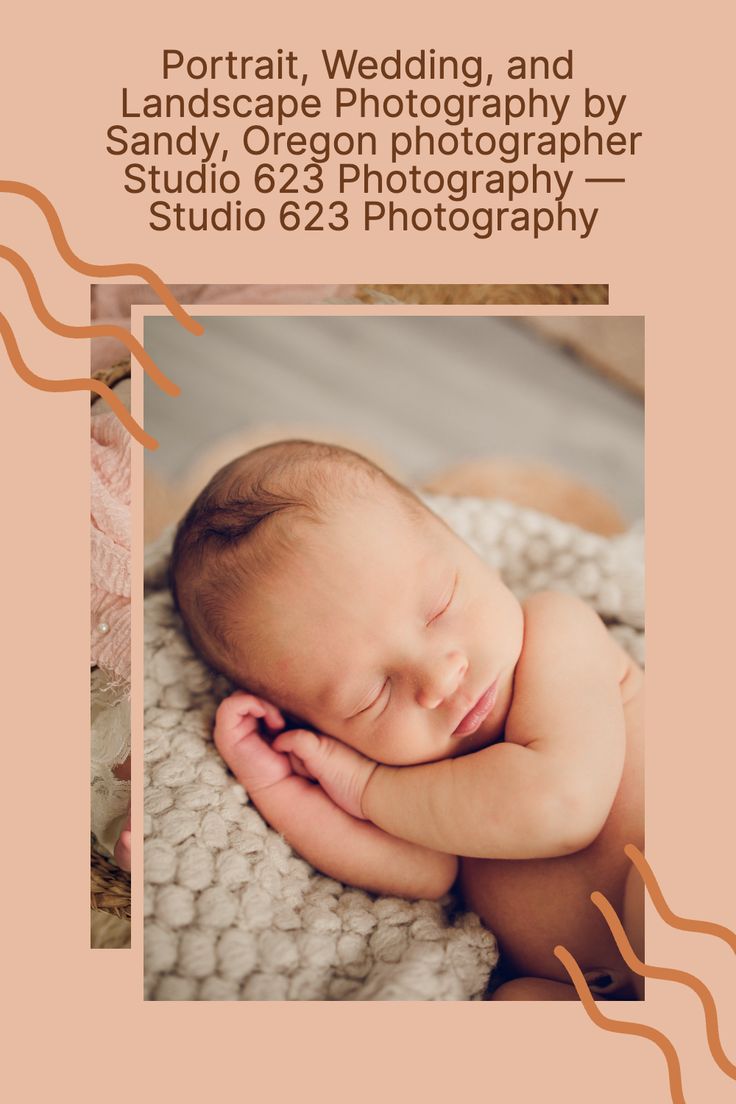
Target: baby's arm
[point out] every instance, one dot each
(337, 843)
(548, 789)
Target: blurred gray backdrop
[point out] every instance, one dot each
(426, 391)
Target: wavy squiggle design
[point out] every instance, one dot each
(666, 973)
(142, 271)
(83, 384)
(682, 923)
(624, 1027)
(63, 330)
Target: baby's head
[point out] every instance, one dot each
(310, 577)
(250, 525)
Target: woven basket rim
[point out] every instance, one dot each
(111, 375)
(109, 885)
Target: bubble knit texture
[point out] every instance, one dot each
(231, 912)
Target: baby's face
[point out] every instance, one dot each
(389, 633)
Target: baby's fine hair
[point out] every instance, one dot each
(237, 528)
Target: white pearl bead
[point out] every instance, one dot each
(103, 627)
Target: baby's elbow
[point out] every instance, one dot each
(440, 878)
(572, 821)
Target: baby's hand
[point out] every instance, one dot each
(341, 772)
(123, 847)
(238, 741)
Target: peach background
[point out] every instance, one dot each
(664, 252)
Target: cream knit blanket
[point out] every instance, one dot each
(231, 912)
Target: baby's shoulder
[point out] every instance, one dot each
(555, 609)
(564, 624)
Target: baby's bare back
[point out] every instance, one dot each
(531, 905)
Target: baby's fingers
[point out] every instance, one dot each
(233, 710)
(298, 741)
(272, 716)
(253, 762)
(298, 768)
(236, 709)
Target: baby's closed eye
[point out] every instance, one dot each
(444, 603)
(376, 699)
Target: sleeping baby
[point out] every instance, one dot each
(408, 723)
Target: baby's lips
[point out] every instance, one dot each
(477, 714)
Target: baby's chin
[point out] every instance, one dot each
(476, 741)
(491, 731)
(455, 746)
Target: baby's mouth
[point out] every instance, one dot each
(475, 717)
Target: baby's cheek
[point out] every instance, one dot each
(396, 748)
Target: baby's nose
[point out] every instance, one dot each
(441, 679)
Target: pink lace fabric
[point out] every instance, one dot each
(110, 534)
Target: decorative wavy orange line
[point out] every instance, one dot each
(87, 269)
(84, 384)
(624, 1027)
(149, 366)
(666, 973)
(706, 927)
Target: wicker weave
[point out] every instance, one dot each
(111, 376)
(110, 885)
(487, 294)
